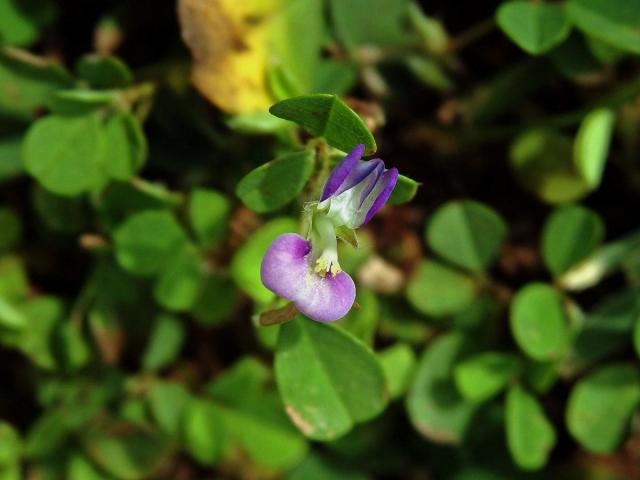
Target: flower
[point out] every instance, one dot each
(306, 271)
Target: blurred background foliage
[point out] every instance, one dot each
(498, 331)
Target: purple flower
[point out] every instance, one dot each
(307, 271)
(287, 270)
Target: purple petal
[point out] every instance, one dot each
(286, 271)
(341, 172)
(326, 299)
(359, 173)
(383, 191)
(284, 264)
(376, 170)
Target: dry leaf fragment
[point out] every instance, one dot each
(228, 41)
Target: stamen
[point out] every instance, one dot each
(325, 265)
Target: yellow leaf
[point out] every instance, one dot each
(228, 40)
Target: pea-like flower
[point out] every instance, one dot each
(306, 271)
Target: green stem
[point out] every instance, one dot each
(158, 191)
(471, 35)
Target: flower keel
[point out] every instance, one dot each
(288, 270)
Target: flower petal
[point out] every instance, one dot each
(371, 180)
(341, 172)
(284, 264)
(364, 170)
(380, 194)
(286, 270)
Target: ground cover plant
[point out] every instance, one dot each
(319, 239)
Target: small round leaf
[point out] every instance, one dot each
(66, 154)
(600, 407)
(341, 383)
(276, 183)
(435, 406)
(329, 117)
(534, 27)
(482, 376)
(530, 435)
(539, 322)
(466, 233)
(570, 234)
(439, 290)
(591, 145)
(146, 241)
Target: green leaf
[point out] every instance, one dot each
(10, 154)
(126, 145)
(355, 28)
(534, 27)
(362, 322)
(28, 83)
(543, 164)
(180, 282)
(467, 233)
(591, 145)
(601, 263)
(203, 431)
(615, 21)
(329, 117)
(481, 377)
(604, 52)
(530, 435)
(131, 453)
(46, 435)
(636, 336)
(317, 467)
(573, 58)
(165, 342)
(335, 76)
(37, 342)
(510, 87)
(209, 213)
(75, 353)
(66, 154)
(328, 380)
(10, 229)
(80, 468)
(10, 445)
(10, 316)
(600, 407)
(539, 323)
(404, 191)
(215, 301)
(104, 71)
(541, 376)
(438, 290)
(299, 60)
(80, 101)
(274, 184)
(245, 264)
(570, 234)
(398, 363)
(14, 285)
(254, 417)
(68, 215)
(22, 20)
(168, 401)
(607, 328)
(432, 33)
(435, 407)
(146, 241)
(430, 72)
(258, 123)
